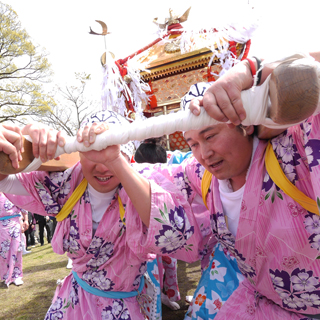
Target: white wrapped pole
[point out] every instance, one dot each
(294, 89)
(167, 124)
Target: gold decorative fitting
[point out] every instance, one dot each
(173, 46)
(172, 19)
(127, 78)
(103, 59)
(132, 115)
(160, 64)
(104, 29)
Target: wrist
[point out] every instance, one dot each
(116, 164)
(247, 79)
(255, 69)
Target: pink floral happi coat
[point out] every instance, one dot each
(10, 242)
(114, 259)
(277, 246)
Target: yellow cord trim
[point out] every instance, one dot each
(279, 178)
(205, 185)
(121, 210)
(76, 195)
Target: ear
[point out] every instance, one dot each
(249, 130)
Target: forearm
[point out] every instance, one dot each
(12, 185)
(135, 185)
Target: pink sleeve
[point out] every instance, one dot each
(173, 229)
(30, 203)
(47, 191)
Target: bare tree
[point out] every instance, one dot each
(72, 106)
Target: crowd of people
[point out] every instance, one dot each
(258, 242)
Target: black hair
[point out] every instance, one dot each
(151, 151)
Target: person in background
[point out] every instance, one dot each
(29, 233)
(11, 241)
(24, 242)
(54, 224)
(153, 151)
(42, 221)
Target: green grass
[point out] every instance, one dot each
(41, 270)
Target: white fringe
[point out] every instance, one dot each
(115, 91)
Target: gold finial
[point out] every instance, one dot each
(104, 29)
(172, 19)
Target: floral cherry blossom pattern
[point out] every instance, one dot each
(297, 290)
(98, 279)
(312, 226)
(74, 297)
(288, 157)
(200, 170)
(71, 244)
(4, 248)
(180, 180)
(55, 311)
(116, 311)
(102, 252)
(173, 237)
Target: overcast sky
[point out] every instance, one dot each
(62, 27)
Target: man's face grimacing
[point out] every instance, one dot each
(97, 174)
(223, 151)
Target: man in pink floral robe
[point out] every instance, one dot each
(276, 242)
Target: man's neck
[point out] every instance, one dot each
(237, 183)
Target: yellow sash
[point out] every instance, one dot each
(76, 195)
(121, 210)
(205, 185)
(279, 178)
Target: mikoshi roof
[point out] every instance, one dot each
(127, 83)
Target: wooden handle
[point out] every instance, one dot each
(66, 161)
(27, 157)
(297, 89)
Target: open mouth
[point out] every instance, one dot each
(104, 179)
(216, 164)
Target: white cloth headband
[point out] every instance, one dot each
(112, 118)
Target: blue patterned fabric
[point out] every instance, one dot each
(153, 265)
(178, 156)
(216, 285)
